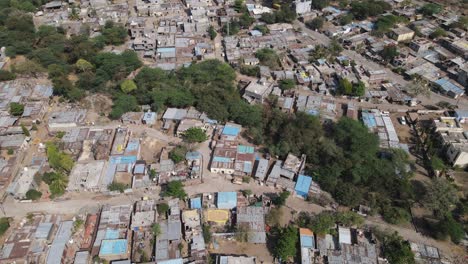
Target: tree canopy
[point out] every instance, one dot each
(194, 135)
(175, 189)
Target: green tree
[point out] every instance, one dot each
(10, 151)
(441, 197)
(363, 9)
(262, 28)
(286, 245)
(28, 68)
(194, 135)
(345, 87)
(16, 109)
(83, 65)
(117, 186)
(114, 34)
(287, 84)
(395, 215)
(322, 223)
(33, 195)
(163, 208)
(268, 57)
(280, 199)
(58, 160)
(122, 104)
(449, 227)
(25, 131)
(6, 76)
(359, 88)
(212, 33)
(4, 225)
(316, 23)
(206, 233)
(58, 185)
(128, 86)
(397, 251)
(156, 229)
(152, 174)
(437, 33)
(430, 9)
(178, 154)
(389, 52)
(175, 189)
(320, 4)
(346, 19)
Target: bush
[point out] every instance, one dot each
(316, 23)
(163, 208)
(178, 154)
(16, 109)
(33, 195)
(287, 84)
(175, 189)
(4, 225)
(117, 186)
(6, 76)
(194, 135)
(280, 199)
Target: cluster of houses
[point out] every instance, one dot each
(33, 98)
(172, 231)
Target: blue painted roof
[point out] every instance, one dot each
(231, 130)
(368, 119)
(221, 159)
(195, 203)
(448, 86)
(307, 241)
(227, 200)
(113, 247)
(192, 155)
(247, 166)
(111, 234)
(303, 184)
(245, 149)
(122, 159)
(139, 169)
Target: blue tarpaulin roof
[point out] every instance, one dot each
(195, 203)
(303, 185)
(111, 234)
(221, 159)
(368, 119)
(227, 200)
(245, 149)
(307, 241)
(231, 130)
(192, 155)
(113, 247)
(122, 159)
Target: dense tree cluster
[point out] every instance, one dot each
(367, 8)
(286, 14)
(386, 22)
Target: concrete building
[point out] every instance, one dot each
(256, 92)
(66, 119)
(23, 182)
(303, 6)
(87, 176)
(307, 242)
(401, 34)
